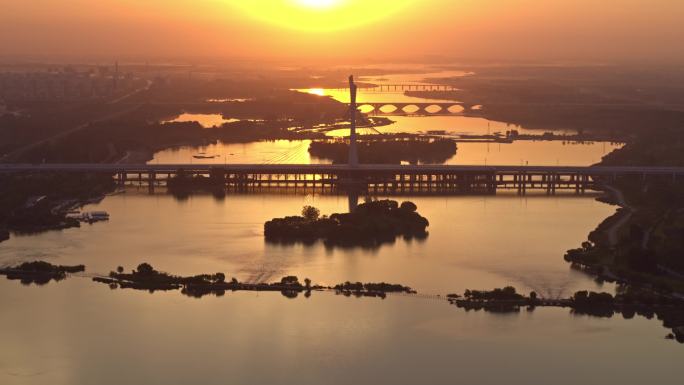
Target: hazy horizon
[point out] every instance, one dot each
(516, 30)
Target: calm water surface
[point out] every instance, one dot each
(297, 152)
(79, 332)
(474, 242)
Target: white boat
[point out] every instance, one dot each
(94, 216)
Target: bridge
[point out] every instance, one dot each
(365, 177)
(401, 88)
(390, 179)
(411, 108)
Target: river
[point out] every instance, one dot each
(296, 152)
(79, 332)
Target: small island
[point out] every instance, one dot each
(39, 272)
(371, 224)
(388, 149)
(145, 277)
(380, 290)
(629, 301)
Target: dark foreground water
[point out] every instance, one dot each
(76, 332)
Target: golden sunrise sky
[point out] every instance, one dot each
(535, 30)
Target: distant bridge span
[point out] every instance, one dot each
(378, 178)
(391, 88)
(410, 108)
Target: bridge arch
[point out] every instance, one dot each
(388, 108)
(433, 109)
(367, 108)
(410, 108)
(455, 109)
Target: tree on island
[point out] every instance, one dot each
(145, 269)
(370, 225)
(220, 277)
(409, 206)
(290, 280)
(311, 213)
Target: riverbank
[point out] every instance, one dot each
(628, 302)
(638, 244)
(32, 204)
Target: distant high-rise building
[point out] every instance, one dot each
(115, 79)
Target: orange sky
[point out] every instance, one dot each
(577, 30)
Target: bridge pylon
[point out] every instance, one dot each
(353, 150)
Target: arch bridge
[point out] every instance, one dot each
(411, 108)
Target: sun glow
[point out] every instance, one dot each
(317, 3)
(321, 15)
(316, 91)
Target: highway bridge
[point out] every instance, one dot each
(368, 177)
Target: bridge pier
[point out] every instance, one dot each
(379, 178)
(151, 181)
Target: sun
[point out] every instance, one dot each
(318, 4)
(321, 15)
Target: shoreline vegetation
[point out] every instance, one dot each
(640, 244)
(628, 302)
(145, 277)
(370, 225)
(643, 242)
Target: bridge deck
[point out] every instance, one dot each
(328, 168)
(384, 178)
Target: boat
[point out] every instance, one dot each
(204, 156)
(92, 216)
